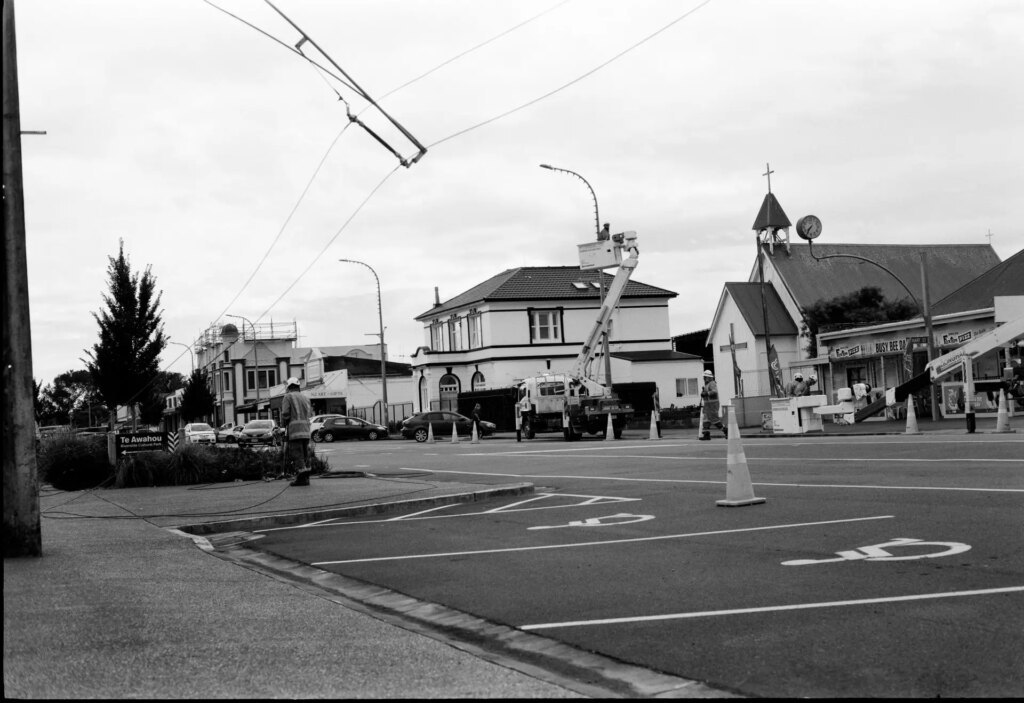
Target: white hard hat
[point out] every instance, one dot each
(293, 381)
(813, 377)
(800, 376)
(708, 373)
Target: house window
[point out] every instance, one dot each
(455, 334)
(544, 326)
(227, 381)
(436, 338)
(478, 381)
(476, 335)
(687, 386)
(267, 378)
(449, 392)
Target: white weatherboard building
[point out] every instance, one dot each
(530, 320)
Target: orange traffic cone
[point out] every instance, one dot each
(911, 417)
(654, 425)
(430, 432)
(738, 489)
(476, 437)
(609, 431)
(455, 434)
(1003, 416)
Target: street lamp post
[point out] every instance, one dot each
(255, 359)
(383, 351)
(191, 355)
(601, 234)
(809, 228)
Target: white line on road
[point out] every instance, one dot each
(599, 543)
(771, 609)
(831, 460)
(756, 483)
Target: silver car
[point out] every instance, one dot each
(199, 433)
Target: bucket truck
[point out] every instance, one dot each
(574, 402)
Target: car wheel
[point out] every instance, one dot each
(315, 436)
(372, 434)
(420, 435)
(327, 437)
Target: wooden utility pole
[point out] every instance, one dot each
(22, 536)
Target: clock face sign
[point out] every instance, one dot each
(808, 227)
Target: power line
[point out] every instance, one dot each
(574, 80)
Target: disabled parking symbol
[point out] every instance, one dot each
(617, 519)
(880, 552)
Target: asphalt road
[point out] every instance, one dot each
(878, 565)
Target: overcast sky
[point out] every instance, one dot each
(193, 137)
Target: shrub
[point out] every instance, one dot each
(74, 463)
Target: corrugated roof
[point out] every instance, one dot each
(950, 266)
(655, 355)
(748, 299)
(542, 283)
(1006, 278)
(771, 215)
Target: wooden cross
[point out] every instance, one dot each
(768, 172)
(732, 347)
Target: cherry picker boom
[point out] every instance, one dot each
(574, 402)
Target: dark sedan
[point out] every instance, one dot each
(258, 432)
(418, 426)
(342, 427)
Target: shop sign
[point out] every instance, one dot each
(846, 352)
(891, 346)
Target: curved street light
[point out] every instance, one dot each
(809, 227)
(255, 358)
(191, 355)
(383, 352)
(600, 273)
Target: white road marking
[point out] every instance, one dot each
(617, 519)
(688, 480)
(830, 460)
(880, 552)
(599, 543)
(772, 609)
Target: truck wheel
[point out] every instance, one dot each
(528, 431)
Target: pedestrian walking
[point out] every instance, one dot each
(476, 419)
(295, 413)
(709, 397)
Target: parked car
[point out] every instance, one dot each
(342, 427)
(418, 426)
(317, 421)
(199, 433)
(257, 432)
(228, 432)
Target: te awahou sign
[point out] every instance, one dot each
(140, 442)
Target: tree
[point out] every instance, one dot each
(197, 401)
(70, 399)
(125, 361)
(861, 307)
(153, 402)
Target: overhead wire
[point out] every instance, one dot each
(450, 137)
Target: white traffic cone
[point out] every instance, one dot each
(911, 417)
(654, 425)
(430, 432)
(609, 431)
(476, 437)
(455, 434)
(1003, 416)
(738, 489)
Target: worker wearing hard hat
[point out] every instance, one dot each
(709, 399)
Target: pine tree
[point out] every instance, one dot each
(197, 400)
(125, 361)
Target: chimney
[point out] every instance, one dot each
(437, 297)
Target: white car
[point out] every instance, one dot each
(199, 433)
(228, 432)
(317, 422)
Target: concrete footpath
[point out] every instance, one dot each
(125, 604)
(122, 605)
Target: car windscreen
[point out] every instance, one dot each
(259, 425)
(203, 427)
